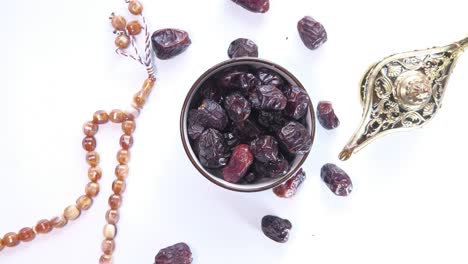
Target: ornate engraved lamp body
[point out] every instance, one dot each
(402, 92)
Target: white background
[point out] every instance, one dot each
(58, 67)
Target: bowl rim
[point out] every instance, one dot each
(186, 142)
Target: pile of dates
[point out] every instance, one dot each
(247, 123)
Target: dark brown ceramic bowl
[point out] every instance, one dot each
(266, 183)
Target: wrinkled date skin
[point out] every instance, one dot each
(212, 115)
(336, 179)
(290, 188)
(177, 254)
(195, 124)
(268, 77)
(239, 164)
(265, 149)
(295, 138)
(326, 115)
(298, 102)
(169, 42)
(275, 228)
(237, 107)
(212, 150)
(242, 47)
(256, 6)
(238, 80)
(312, 33)
(268, 97)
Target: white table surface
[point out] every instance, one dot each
(58, 67)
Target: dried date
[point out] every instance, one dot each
(268, 97)
(195, 124)
(242, 47)
(269, 77)
(256, 6)
(212, 150)
(177, 254)
(265, 149)
(312, 33)
(212, 115)
(276, 228)
(238, 80)
(239, 164)
(290, 188)
(169, 42)
(237, 107)
(298, 102)
(295, 138)
(326, 115)
(336, 179)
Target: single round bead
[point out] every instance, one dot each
(134, 28)
(84, 202)
(122, 41)
(108, 246)
(121, 171)
(58, 221)
(105, 259)
(119, 22)
(115, 201)
(126, 141)
(94, 174)
(10, 240)
(92, 189)
(1, 244)
(92, 158)
(26, 234)
(71, 212)
(89, 143)
(123, 156)
(100, 117)
(43, 227)
(118, 186)
(109, 231)
(112, 216)
(117, 116)
(90, 128)
(128, 127)
(135, 7)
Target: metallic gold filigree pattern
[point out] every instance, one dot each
(403, 91)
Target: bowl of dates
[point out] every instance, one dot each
(247, 124)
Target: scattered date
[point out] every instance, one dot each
(256, 6)
(336, 179)
(169, 42)
(312, 32)
(326, 115)
(242, 47)
(275, 228)
(177, 254)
